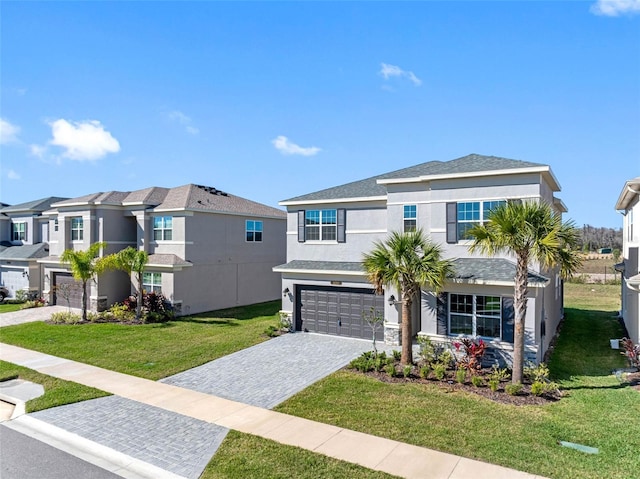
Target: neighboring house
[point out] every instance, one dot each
(24, 236)
(629, 205)
(207, 249)
(324, 286)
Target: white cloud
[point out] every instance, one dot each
(38, 150)
(184, 120)
(388, 71)
(287, 147)
(82, 141)
(614, 8)
(8, 132)
(12, 175)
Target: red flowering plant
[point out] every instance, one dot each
(472, 354)
(631, 351)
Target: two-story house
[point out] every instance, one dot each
(324, 286)
(207, 249)
(629, 205)
(24, 236)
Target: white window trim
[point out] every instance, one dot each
(80, 230)
(23, 232)
(163, 228)
(405, 218)
(474, 316)
(145, 286)
(321, 226)
(482, 219)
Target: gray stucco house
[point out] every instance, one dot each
(24, 236)
(207, 249)
(324, 286)
(629, 205)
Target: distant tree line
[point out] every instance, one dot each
(593, 238)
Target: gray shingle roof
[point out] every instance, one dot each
(369, 186)
(35, 205)
(186, 197)
(489, 270)
(27, 251)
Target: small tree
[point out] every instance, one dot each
(85, 266)
(406, 261)
(66, 290)
(374, 319)
(132, 261)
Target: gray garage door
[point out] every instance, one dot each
(65, 287)
(337, 311)
(13, 280)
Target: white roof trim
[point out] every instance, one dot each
(319, 271)
(333, 200)
(495, 283)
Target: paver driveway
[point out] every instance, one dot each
(263, 375)
(32, 314)
(268, 373)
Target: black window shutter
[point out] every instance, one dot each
(441, 319)
(301, 226)
(452, 223)
(508, 315)
(342, 217)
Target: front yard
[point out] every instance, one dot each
(597, 410)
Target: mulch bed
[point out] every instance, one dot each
(634, 380)
(524, 398)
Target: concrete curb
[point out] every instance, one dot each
(89, 451)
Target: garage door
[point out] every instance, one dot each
(13, 280)
(65, 287)
(337, 311)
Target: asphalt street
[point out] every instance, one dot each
(22, 457)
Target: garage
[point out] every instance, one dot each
(67, 288)
(14, 279)
(337, 311)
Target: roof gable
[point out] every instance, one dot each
(35, 206)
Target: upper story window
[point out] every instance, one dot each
(162, 228)
(463, 216)
(253, 230)
(19, 231)
(410, 218)
(630, 222)
(321, 225)
(55, 224)
(152, 282)
(473, 315)
(77, 229)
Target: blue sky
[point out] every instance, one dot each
(272, 100)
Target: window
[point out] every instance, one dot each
(473, 315)
(55, 224)
(321, 225)
(77, 229)
(162, 228)
(152, 282)
(410, 221)
(630, 220)
(254, 230)
(19, 231)
(470, 214)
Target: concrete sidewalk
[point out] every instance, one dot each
(376, 453)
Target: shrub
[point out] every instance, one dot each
(446, 359)
(537, 388)
(473, 352)
(424, 372)
(272, 331)
(631, 352)
(439, 371)
(494, 384)
(498, 374)
(65, 317)
(513, 389)
(390, 369)
(427, 350)
(397, 355)
(461, 375)
(155, 307)
(539, 373)
(477, 381)
(121, 312)
(284, 322)
(406, 371)
(33, 303)
(21, 296)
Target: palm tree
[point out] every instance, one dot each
(406, 261)
(131, 260)
(531, 231)
(85, 265)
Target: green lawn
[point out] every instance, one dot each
(57, 391)
(597, 411)
(9, 307)
(151, 351)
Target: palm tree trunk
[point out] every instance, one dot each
(407, 353)
(520, 306)
(84, 300)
